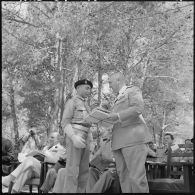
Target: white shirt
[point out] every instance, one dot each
(54, 153)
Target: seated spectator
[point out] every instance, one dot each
(152, 146)
(188, 149)
(8, 156)
(151, 150)
(168, 139)
(30, 142)
(102, 173)
(187, 144)
(52, 172)
(30, 167)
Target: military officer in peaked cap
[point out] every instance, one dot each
(78, 138)
(129, 135)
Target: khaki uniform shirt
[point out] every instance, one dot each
(75, 111)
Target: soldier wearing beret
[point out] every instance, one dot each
(78, 138)
(129, 135)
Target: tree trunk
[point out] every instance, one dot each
(13, 110)
(154, 135)
(99, 95)
(75, 77)
(144, 73)
(62, 100)
(162, 128)
(54, 125)
(99, 80)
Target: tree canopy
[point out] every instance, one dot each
(47, 46)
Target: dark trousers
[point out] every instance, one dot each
(105, 182)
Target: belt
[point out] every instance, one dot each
(80, 127)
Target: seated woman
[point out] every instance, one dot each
(31, 167)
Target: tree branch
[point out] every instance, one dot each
(133, 66)
(19, 38)
(41, 11)
(22, 21)
(155, 13)
(101, 9)
(161, 76)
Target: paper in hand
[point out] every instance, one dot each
(99, 116)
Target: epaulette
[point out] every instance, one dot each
(129, 86)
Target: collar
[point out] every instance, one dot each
(122, 90)
(81, 98)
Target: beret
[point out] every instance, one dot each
(83, 82)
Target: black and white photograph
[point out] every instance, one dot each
(97, 97)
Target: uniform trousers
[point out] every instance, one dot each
(29, 168)
(130, 164)
(77, 168)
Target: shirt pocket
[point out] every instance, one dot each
(79, 113)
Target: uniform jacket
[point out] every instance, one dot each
(75, 111)
(131, 130)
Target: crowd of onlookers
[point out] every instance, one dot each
(102, 173)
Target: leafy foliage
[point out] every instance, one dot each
(49, 45)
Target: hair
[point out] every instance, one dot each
(188, 140)
(170, 135)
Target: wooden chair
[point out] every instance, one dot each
(169, 184)
(39, 181)
(35, 181)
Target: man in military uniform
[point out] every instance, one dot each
(129, 135)
(78, 138)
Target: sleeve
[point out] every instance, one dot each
(37, 142)
(68, 113)
(136, 105)
(26, 137)
(151, 152)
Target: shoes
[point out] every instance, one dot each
(6, 181)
